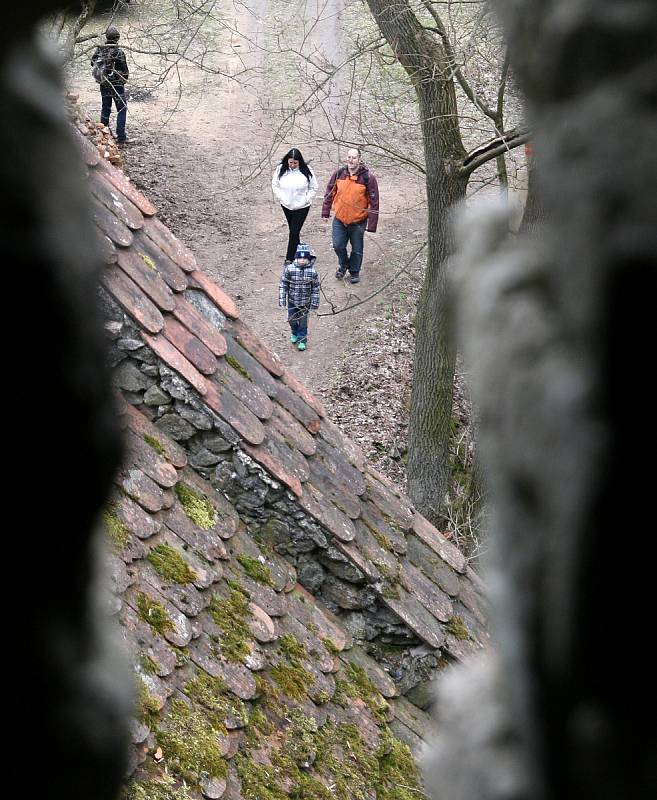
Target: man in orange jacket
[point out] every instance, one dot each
(353, 193)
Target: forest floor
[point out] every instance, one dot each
(192, 154)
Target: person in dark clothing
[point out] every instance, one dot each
(111, 72)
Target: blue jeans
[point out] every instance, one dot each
(109, 92)
(344, 234)
(297, 316)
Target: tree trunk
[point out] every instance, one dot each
(424, 59)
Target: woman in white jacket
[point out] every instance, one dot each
(295, 185)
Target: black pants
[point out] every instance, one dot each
(295, 220)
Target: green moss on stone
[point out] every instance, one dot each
(293, 680)
(256, 569)
(171, 565)
(456, 627)
(398, 773)
(190, 743)
(354, 682)
(235, 364)
(330, 646)
(382, 539)
(154, 613)
(147, 664)
(155, 444)
(118, 531)
(197, 507)
(213, 693)
(148, 709)
(164, 787)
(231, 616)
(292, 647)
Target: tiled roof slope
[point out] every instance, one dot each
(247, 688)
(194, 331)
(420, 575)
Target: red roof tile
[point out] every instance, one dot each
(228, 407)
(131, 298)
(225, 303)
(168, 243)
(174, 358)
(191, 319)
(147, 278)
(191, 347)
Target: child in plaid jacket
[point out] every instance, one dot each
(299, 290)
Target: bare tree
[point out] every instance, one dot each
(425, 52)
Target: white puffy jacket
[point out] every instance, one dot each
(294, 190)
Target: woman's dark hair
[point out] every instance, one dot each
(296, 155)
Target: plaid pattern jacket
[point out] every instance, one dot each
(299, 286)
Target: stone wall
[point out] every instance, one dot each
(268, 509)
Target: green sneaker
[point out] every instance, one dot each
(301, 345)
(294, 338)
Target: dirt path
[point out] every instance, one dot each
(191, 163)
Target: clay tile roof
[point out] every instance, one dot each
(229, 647)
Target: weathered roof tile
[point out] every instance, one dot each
(252, 368)
(120, 181)
(185, 312)
(292, 431)
(121, 206)
(206, 542)
(167, 242)
(132, 299)
(147, 278)
(379, 677)
(191, 347)
(326, 513)
(163, 348)
(418, 619)
(140, 523)
(431, 597)
(433, 565)
(141, 489)
(244, 336)
(236, 414)
(157, 259)
(200, 280)
(145, 457)
(148, 603)
(309, 399)
(145, 429)
(273, 465)
(246, 391)
(109, 224)
(390, 501)
(299, 409)
(324, 481)
(343, 472)
(437, 542)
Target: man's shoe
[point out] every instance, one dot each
(355, 279)
(340, 273)
(301, 346)
(294, 338)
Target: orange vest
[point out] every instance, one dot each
(351, 202)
